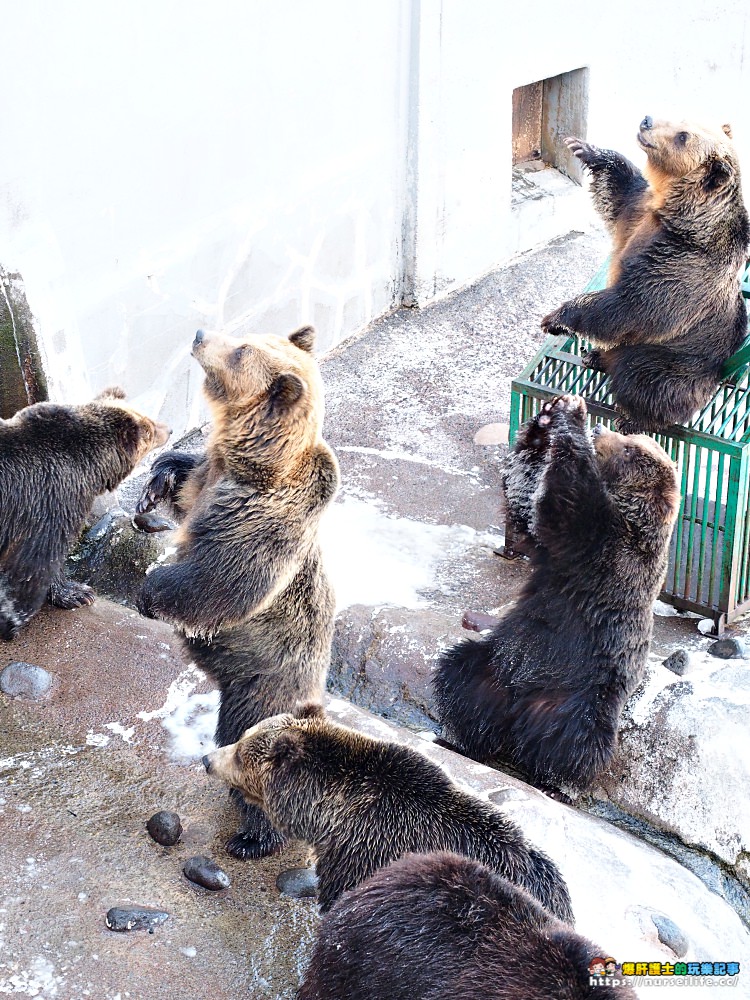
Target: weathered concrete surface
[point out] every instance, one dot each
(80, 773)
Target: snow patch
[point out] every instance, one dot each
(96, 739)
(178, 691)
(119, 730)
(192, 726)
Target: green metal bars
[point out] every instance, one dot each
(709, 561)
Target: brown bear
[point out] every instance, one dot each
(444, 927)
(673, 313)
(361, 803)
(54, 460)
(247, 588)
(544, 690)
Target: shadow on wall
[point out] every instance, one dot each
(22, 378)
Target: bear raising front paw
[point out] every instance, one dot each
(672, 313)
(247, 588)
(543, 692)
(54, 460)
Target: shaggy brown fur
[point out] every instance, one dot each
(247, 588)
(443, 927)
(54, 460)
(543, 692)
(361, 803)
(673, 312)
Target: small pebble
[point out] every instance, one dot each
(299, 883)
(151, 523)
(134, 918)
(670, 934)
(203, 871)
(727, 649)
(678, 662)
(25, 680)
(165, 827)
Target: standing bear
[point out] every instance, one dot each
(54, 460)
(673, 313)
(443, 927)
(247, 589)
(544, 690)
(361, 803)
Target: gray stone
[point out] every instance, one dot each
(670, 934)
(25, 680)
(165, 827)
(678, 662)
(134, 918)
(727, 649)
(299, 883)
(203, 871)
(151, 523)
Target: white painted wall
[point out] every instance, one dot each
(251, 165)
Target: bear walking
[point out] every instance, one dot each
(543, 692)
(54, 461)
(443, 927)
(247, 588)
(361, 803)
(673, 313)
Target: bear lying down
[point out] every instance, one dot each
(443, 927)
(361, 803)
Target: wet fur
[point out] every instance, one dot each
(54, 461)
(443, 927)
(361, 803)
(543, 692)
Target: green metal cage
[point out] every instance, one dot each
(709, 561)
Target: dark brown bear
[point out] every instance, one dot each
(443, 927)
(673, 313)
(247, 588)
(54, 460)
(361, 803)
(544, 690)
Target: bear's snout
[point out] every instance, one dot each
(206, 763)
(648, 122)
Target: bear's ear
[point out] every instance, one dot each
(111, 392)
(288, 747)
(304, 338)
(717, 174)
(286, 389)
(727, 130)
(309, 710)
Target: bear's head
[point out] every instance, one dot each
(262, 752)
(136, 433)
(640, 476)
(684, 149)
(265, 393)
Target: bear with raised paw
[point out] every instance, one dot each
(543, 691)
(444, 927)
(361, 803)
(672, 313)
(54, 461)
(247, 588)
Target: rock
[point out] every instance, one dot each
(165, 828)
(25, 680)
(505, 795)
(203, 871)
(299, 883)
(670, 934)
(134, 918)
(678, 662)
(151, 523)
(477, 621)
(492, 434)
(727, 649)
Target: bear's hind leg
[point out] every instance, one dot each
(67, 594)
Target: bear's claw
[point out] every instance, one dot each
(247, 848)
(68, 594)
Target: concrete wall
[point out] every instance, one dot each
(253, 166)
